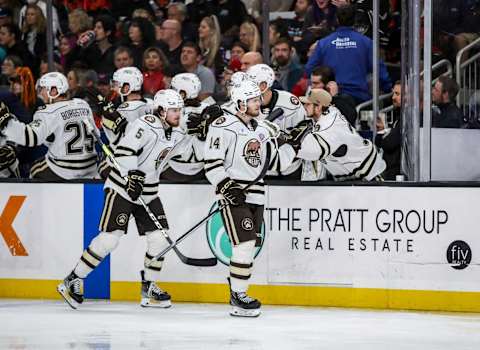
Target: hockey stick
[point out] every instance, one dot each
(198, 224)
(183, 258)
(277, 113)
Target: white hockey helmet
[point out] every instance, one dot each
(236, 79)
(188, 83)
(261, 73)
(128, 75)
(244, 91)
(167, 99)
(53, 80)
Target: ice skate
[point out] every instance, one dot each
(71, 289)
(243, 305)
(153, 296)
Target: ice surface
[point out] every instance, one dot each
(33, 324)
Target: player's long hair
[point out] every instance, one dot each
(25, 78)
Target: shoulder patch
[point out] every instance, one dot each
(123, 105)
(317, 127)
(150, 119)
(220, 120)
(294, 101)
(41, 108)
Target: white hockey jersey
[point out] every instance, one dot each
(238, 151)
(60, 126)
(344, 153)
(131, 111)
(191, 161)
(293, 113)
(144, 147)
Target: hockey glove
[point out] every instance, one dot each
(231, 191)
(134, 189)
(111, 119)
(196, 125)
(5, 115)
(7, 156)
(212, 112)
(298, 133)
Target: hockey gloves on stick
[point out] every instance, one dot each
(298, 133)
(7, 156)
(112, 120)
(135, 181)
(231, 191)
(5, 115)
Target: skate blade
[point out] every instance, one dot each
(147, 302)
(62, 290)
(239, 312)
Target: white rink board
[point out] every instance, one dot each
(413, 259)
(419, 262)
(50, 227)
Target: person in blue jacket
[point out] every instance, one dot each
(350, 55)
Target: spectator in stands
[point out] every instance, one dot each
(57, 66)
(34, 32)
(322, 77)
(6, 15)
(9, 66)
(276, 30)
(390, 139)
(287, 71)
(238, 50)
(295, 25)
(445, 113)
(190, 59)
(43, 6)
(79, 22)
(154, 61)
(171, 36)
(66, 49)
(349, 54)
(103, 84)
(141, 35)
(320, 19)
(10, 39)
(122, 57)
(143, 13)
(209, 41)
(231, 14)
(23, 86)
(178, 11)
(251, 58)
(99, 54)
(250, 36)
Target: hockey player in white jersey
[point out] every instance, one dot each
(292, 111)
(127, 82)
(336, 144)
(71, 152)
(189, 165)
(235, 155)
(140, 153)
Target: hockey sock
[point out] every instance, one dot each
(99, 248)
(241, 264)
(155, 244)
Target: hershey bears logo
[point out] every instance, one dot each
(251, 153)
(161, 157)
(150, 119)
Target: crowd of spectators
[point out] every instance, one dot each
(321, 46)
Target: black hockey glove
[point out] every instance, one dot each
(231, 191)
(298, 133)
(7, 156)
(5, 115)
(196, 125)
(212, 112)
(134, 189)
(111, 119)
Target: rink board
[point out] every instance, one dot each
(352, 246)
